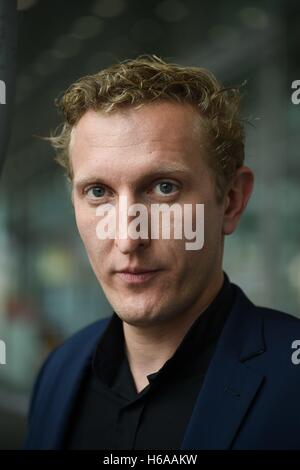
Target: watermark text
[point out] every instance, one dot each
(2, 92)
(2, 353)
(162, 220)
(295, 97)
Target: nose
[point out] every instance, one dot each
(132, 230)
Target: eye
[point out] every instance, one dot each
(165, 188)
(95, 192)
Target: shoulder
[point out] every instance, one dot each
(70, 356)
(274, 318)
(278, 317)
(66, 359)
(87, 333)
(58, 376)
(84, 339)
(280, 331)
(278, 321)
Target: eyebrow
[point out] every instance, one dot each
(168, 169)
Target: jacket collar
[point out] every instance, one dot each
(231, 383)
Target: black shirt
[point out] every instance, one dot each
(110, 414)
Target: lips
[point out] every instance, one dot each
(137, 276)
(137, 270)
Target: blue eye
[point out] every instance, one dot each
(96, 192)
(166, 187)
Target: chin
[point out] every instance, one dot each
(143, 318)
(136, 318)
(137, 321)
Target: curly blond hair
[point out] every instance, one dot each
(146, 79)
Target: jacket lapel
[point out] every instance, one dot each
(230, 384)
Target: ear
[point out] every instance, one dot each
(236, 199)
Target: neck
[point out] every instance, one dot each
(148, 348)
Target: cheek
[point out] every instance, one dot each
(179, 259)
(86, 223)
(212, 224)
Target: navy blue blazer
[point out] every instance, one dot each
(250, 398)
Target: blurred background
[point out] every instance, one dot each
(47, 288)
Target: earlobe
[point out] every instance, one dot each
(237, 198)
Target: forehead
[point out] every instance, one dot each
(134, 139)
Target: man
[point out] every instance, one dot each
(186, 361)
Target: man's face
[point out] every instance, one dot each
(133, 153)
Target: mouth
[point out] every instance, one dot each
(137, 278)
